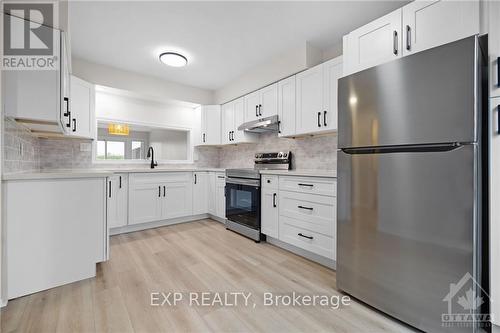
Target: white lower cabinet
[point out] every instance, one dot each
(160, 196)
(200, 192)
(55, 232)
(495, 208)
(220, 195)
(269, 206)
(117, 200)
(301, 211)
(211, 201)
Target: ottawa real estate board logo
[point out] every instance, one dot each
(29, 40)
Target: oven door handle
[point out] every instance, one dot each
(242, 181)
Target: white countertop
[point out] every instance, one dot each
(93, 173)
(305, 173)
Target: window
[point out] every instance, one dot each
(137, 150)
(110, 150)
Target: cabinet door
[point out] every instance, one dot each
(211, 194)
(239, 118)
(269, 101)
(375, 43)
(211, 124)
(495, 208)
(200, 193)
(332, 71)
(252, 102)
(117, 201)
(65, 86)
(227, 122)
(82, 108)
(178, 200)
(494, 46)
(427, 24)
(309, 100)
(286, 106)
(269, 212)
(221, 198)
(144, 202)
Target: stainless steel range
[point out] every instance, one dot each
(243, 193)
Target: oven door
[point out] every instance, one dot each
(243, 201)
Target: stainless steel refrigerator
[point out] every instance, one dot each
(412, 163)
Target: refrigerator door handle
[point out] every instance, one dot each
(404, 149)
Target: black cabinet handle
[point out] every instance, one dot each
(109, 189)
(256, 110)
(222, 177)
(74, 125)
(120, 184)
(324, 118)
(498, 119)
(164, 190)
(319, 119)
(274, 199)
(269, 181)
(229, 135)
(159, 191)
(302, 235)
(408, 38)
(307, 208)
(232, 135)
(260, 109)
(395, 43)
(195, 179)
(310, 185)
(498, 72)
(204, 137)
(68, 112)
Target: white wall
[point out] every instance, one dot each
(295, 60)
(146, 85)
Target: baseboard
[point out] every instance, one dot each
(3, 303)
(156, 224)
(218, 219)
(330, 263)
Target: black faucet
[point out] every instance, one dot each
(151, 153)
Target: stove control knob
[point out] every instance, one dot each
(280, 155)
(256, 155)
(285, 155)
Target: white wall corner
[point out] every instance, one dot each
(333, 51)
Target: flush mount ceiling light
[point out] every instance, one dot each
(173, 59)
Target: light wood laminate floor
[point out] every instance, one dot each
(200, 256)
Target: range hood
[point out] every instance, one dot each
(263, 125)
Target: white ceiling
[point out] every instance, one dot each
(222, 40)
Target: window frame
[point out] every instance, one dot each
(189, 145)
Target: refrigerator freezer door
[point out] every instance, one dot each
(425, 98)
(406, 226)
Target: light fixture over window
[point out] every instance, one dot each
(173, 59)
(118, 129)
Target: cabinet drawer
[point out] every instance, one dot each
(306, 239)
(270, 181)
(312, 212)
(312, 185)
(160, 177)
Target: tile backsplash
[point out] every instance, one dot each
(318, 152)
(21, 151)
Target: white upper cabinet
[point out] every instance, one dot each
(375, 43)
(316, 109)
(427, 24)
(82, 108)
(493, 18)
(262, 103)
(286, 106)
(233, 115)
(418, 26)
(210, 125)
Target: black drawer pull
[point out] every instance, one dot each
(274, 199)
(120, 182)
(302, 235)
(310, 185)
(222, 177)
(110, 188)
(302, 207)
(319, 119)
(159, 191)
(164, 190)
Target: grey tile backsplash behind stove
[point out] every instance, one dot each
(318, 152)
